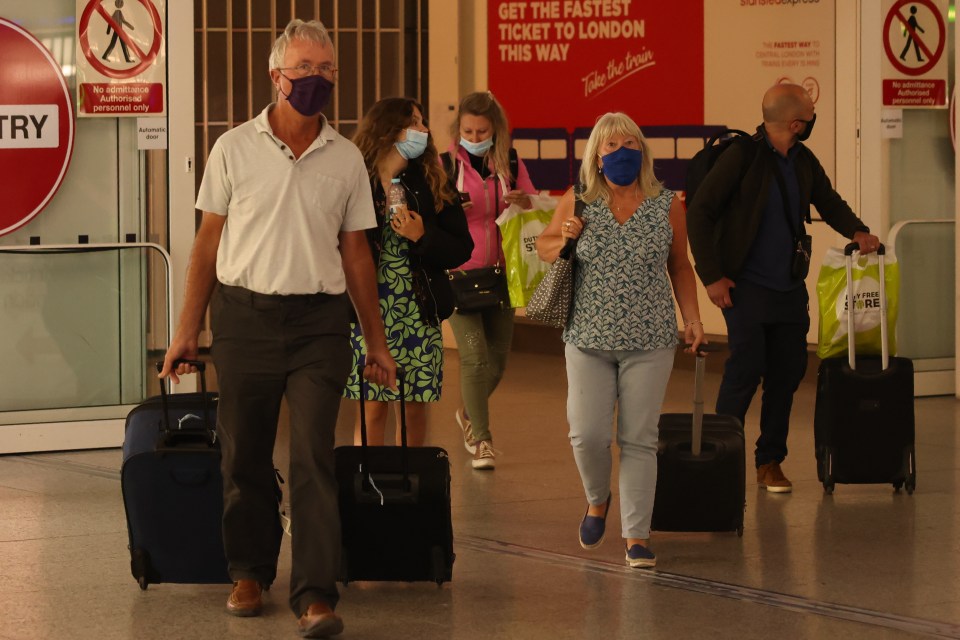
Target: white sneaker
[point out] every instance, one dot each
(469, 442)
(484, 458)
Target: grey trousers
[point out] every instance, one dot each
(267, 347)
(634, 382)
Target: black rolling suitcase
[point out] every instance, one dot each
(394, 509)
(864, 422)
(173, 490)
(700, 469)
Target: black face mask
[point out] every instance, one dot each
(806, 132)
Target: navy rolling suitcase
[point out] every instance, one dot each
(173, 490)
(864, 420)
(700, 469)
(394, 509)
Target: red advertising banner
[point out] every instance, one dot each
(562, 63)
(556, 65)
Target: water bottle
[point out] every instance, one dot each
(396, 199)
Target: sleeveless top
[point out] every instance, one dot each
(622, 299)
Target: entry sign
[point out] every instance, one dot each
(36, 127)
(121, 64)
(914, 65)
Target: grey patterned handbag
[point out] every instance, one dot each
(550, 302)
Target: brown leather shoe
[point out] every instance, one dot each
(244, 600)
(771, 476)
(319, 622)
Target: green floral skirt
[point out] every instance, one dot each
(415, 345)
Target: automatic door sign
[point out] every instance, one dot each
(914, 40)
(36, 126)
(121, 63)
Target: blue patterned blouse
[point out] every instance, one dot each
(622, 300)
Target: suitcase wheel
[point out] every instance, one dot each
(911, 484)
(897, 485)
(825, 466)
(740, 531)
(438, 565)
(142, 581)
(344, 567)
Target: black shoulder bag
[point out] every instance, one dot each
(477, 290)
(802, 241)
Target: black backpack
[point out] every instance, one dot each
(702, 161)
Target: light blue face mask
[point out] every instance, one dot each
(414, 145)
(476, 148)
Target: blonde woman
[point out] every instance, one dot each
(489, 177)
(622, 330)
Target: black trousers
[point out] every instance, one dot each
(267, 347)
(767, 333)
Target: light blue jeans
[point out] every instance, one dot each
(633, 382)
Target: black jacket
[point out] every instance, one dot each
(722, 221)
(446, 242)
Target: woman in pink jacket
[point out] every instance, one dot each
(486, 171)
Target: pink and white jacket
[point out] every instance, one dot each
(488, 203)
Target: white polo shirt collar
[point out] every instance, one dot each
(262, 124)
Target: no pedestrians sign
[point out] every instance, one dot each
(121, 63)
(914, 64)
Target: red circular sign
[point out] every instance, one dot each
(933, 57)
(36, 126)
(145, 59)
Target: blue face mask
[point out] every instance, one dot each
(414, 145)
(622, 166)
(476, 148)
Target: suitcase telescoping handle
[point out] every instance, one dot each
(851, 341)
(403, 424)
(363, 411)
(164, 398)
(696, 439)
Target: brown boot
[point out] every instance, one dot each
(771, 476)
(319, 621)
(244, 600)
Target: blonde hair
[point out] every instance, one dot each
(298, 30)
(482, 103)
(609, 125)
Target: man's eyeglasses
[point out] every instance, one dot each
(303, 70)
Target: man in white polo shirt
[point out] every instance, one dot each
(285, 202)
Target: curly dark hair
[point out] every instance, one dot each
(379, 130)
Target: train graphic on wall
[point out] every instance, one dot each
(553, 155)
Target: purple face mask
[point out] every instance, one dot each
(309, 95)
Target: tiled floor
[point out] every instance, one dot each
(863, 563)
